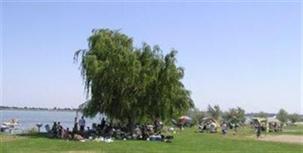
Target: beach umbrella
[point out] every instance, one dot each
(185, 119)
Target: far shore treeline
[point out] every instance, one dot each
(233, 115)
(37, 108)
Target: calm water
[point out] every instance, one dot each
(29, 119)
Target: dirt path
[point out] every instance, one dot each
(283, 138)
(4, 138)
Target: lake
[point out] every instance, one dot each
(28, 119)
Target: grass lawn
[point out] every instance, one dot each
(185, 142)
(293, 130)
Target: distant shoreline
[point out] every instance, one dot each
(13, 108)
(37, 109)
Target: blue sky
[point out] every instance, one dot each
(234, 54)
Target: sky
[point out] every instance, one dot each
(234, 53)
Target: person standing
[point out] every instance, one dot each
(157, 126)
(75, 130)
(258, 130)
(54, 129)
(103, 122)
(59, 130)
(82, 124)
(224, 128)
(75, 120)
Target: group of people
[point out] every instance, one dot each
(212, 127)
(106, 130)
(274, 127)
(144, 132)
(208, 126)
(58, 131)
(150, 132)
(226, 126)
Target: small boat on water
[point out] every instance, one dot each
(10, 125)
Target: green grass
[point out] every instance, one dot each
(293, 130)
(185, 142)
(288, 130)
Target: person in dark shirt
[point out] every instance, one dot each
(258, 130)
(102, 123)
(54, 129)
(75, 130)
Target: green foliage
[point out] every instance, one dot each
(131, 84)
(214, 112)
(282, 116)
(196, 115)
(235, 115)
(294, 117)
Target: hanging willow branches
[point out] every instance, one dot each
(131, 84)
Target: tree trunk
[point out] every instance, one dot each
(131, 124)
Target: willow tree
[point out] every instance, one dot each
(130, 84)
(163, 95)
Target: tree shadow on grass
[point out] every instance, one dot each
(36, 135)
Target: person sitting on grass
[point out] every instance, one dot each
(137, 133)
(108, 131)
(75, 130)
(94, 128)
(78, 137)
(88, 133)
(145, 133)
(160, 137)
(155, 137)
(157, 125)
(167, 136)
(66, 134)
(212, 127)
(202, 127)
